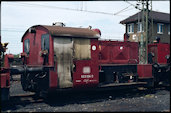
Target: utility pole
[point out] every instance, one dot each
(141, 48)
(151, 21)
(144, 36)
(147, 38)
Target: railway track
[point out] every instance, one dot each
(26, 97)
(20, 100)
(33, 98)
(68, 98)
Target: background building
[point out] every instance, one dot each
(159, 26)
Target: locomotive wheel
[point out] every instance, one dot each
(24, 82)
(5, 96)
(41, 94)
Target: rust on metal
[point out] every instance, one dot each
(71, 31)
(68, 31)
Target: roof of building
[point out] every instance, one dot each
(157, 16)
(68, 31)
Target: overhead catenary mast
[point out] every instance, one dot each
(144, 36)
(147, 30)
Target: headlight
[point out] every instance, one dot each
(167, 56)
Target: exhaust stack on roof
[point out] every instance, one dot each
(58, 24)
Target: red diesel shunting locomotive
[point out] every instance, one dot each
(64, 57)
(59, 57)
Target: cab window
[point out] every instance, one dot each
(27, 46)
(45, 42)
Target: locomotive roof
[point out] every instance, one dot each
(68, 31)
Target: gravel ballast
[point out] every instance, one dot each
(111, 100)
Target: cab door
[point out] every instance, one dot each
(63, 50)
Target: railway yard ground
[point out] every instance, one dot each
(136, 100)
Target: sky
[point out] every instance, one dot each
(17, 17)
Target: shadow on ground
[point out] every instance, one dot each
(56, 99)
(85, 97)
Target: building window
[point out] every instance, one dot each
(130, 28)
(140, 27)
(27, 46)
(169, 29)
(160, 28)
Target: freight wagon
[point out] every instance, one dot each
(5, 60)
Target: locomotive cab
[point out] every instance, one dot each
(56, 57)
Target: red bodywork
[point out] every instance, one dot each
(5, 80)
(5, 75)
(91, 79)
(53, 79)
(115, 52)
(160, 50)
(34, 58)
(144, 70)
